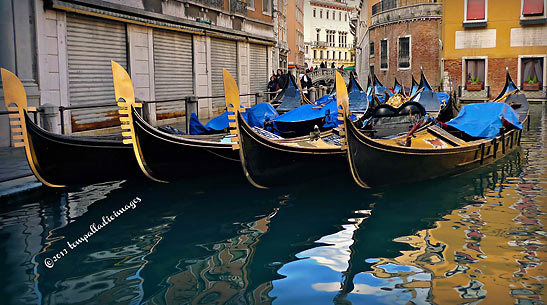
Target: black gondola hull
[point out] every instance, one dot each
(375, 164)
(64, 160)
(167, 157)
(267, 163)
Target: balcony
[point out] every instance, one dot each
(401, 13)
(391, 4)
(319, 44)
(283, 45)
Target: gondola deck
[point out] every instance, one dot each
(428, 154)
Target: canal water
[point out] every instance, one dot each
(477, 238)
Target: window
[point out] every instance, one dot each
(333, 54)
(531, 73)
(342, 39)
(299, 16)
(403, 58)
(533, 12)
(321, 53)
(318, 35)
(313, 13)
(346, 56)
(330, 38)
(327, 14)
(314, 54)
(533, 8)
(345, 17)
(340, 16)
(321, 14)
(475, 12)
(328, 54)
(475, 72)
(371, 69)
(340, 55)
(372, 49)
(383, 55)
(266, 7)
(251, 5)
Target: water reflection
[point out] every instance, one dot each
(474, 238)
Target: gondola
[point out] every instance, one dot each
(427, 97)
(164, 157)
(57, 160)
(379, 89)
(267, 162)
(398, 88)
(290, 96)
(433, 152)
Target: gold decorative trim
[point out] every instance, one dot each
(125, 95)
(14, 93)
(233, 106)
(342, 104)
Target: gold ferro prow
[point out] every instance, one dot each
(14, 93)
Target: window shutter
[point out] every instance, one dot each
(475, 9)
(532, 7)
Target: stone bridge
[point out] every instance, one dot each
(324, 76)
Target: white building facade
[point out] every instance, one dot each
(327, 34)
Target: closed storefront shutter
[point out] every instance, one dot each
(91, 44)
(173, 72)
(258, 68)
(223, 55)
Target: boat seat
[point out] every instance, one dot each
(445, 136)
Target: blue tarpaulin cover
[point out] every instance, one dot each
(255, 116)
(484, 120)
(443, 97)
(290, 97)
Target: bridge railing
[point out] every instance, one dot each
(325, 74)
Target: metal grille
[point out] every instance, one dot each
(223, 55)
(173, 72)
(258, 68)
(404, 52)
(383, 54)
(91, 44)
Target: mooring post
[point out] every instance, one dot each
(191, 103)
(312, 94)
(259, 97)
(48, 118)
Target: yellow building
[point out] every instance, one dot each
(483, 37)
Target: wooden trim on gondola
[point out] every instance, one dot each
(14, 92)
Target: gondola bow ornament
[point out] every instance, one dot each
(125, 97)
(14, 93)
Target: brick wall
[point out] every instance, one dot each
(496, 72)
(425, 51)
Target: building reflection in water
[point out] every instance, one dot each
(468, 254)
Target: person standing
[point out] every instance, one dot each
(332, 65)
(306, 83)
(272, 87)
(281, 79)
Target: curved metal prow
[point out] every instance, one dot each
(14, 93)
(233, 106)
(125, 97)
(342, 104)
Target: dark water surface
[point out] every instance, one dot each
(474, 238)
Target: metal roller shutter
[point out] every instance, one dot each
(91, 44)
(223, 55)
(258, 68)
(173, 72)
